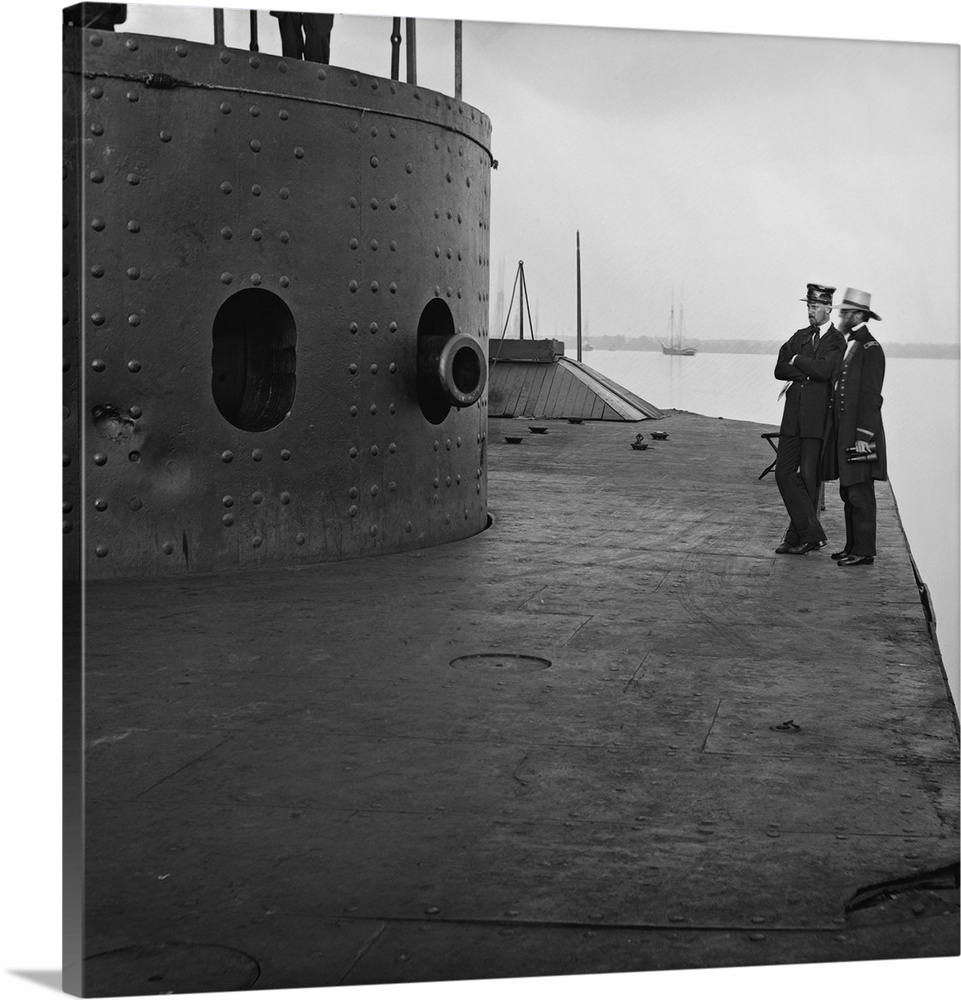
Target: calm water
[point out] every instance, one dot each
(921, 399)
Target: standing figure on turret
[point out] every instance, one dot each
(807, 362)
(857, 454)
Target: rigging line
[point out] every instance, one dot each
(509, 308)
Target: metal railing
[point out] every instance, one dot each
(396, 39)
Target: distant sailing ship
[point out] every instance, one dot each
(675, 333)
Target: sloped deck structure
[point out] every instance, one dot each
(614, 732)
(532, 378)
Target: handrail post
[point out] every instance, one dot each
(458, 58)
(218, 26)
(395, 50)
(411, 50)
(254, 45)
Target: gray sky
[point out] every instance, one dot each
(727, 169)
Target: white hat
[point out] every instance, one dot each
(854, 298)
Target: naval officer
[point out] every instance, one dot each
(807, 362)
(858, 456)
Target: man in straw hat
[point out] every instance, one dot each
(855, 452)
(807, 363)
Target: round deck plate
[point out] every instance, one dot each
(513, 662)
(169, 967)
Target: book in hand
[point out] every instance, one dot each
(867, 456)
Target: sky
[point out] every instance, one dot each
(735, 166)
(721, 171)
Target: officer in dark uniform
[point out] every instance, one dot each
(857, 454)
(807, 362)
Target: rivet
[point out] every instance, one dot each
(133, 226)
(281, 67)
(301, 538)
(96, 92)
(284, 281)
(134, 456)
(352, 368)
(100, 504)
(228, 501)
(408, 527)
(134, 366)
(225, 107)
(284, 193)
(374, 161)
(373, 530)
(374, 490)
(257, 497)
(226, 278)
(283, 115)
(133, 319)
(373, 409)
(352, 453)
(393, 288)
(285, 455)
(99, 458)
(393, 204)
(353, 286)
(256, 454)
(228, 520)
(225, 57)
(255, 279)
(373, 369)
(374, 245)
(393, 132)
(227, 233)
(255, 145)
(392, 367)
(392, 448)
(284, 236)
(374, 286)
(299, 152)
(226, 456)
(373, 328)
(135, 412)
(180, 49)
(257, 541)
(352, 510)
(353, 80)
(66, 460)
(285, 498)
(133, 273)
(101, 550)
(392, 328)
(96, 176)
(393, 244)
(254, 111)
(97, 224)
(374, 203)
(226, 187)
(374, 450)
(254, 62)
(97, 318)
(98, 364)
(165, 136)
(167, 548)
(96, 128)
(353, 327)
(256, 190)
(135, 503)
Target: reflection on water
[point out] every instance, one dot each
(920, 414)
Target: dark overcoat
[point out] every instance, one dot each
(856, 413)
(807, 399)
